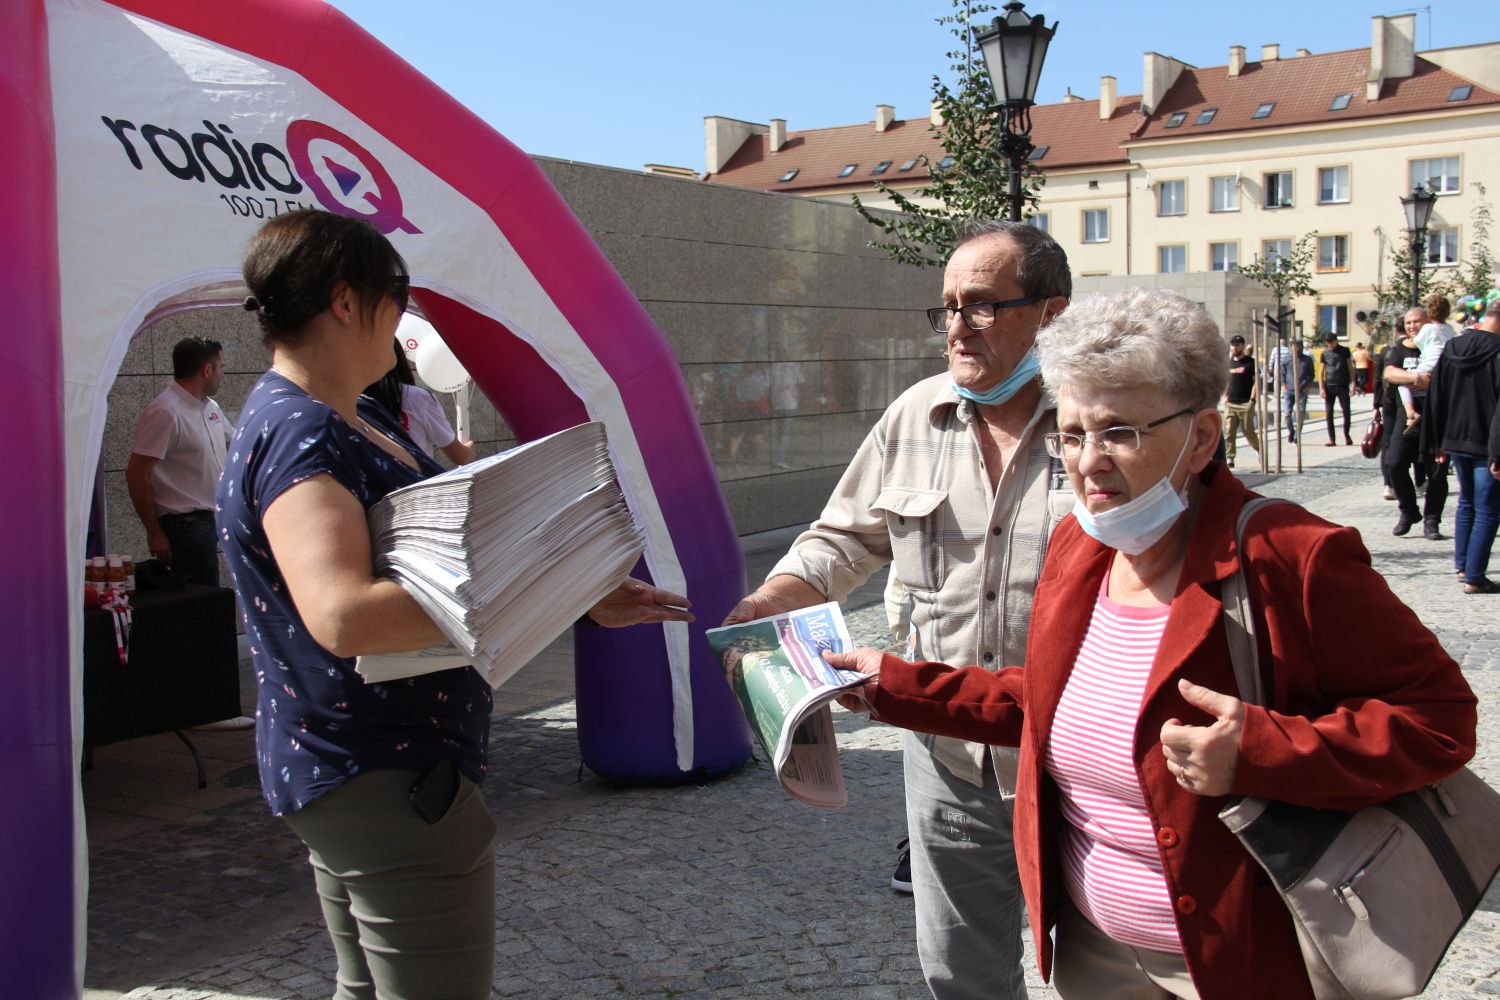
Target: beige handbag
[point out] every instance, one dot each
(1376, 895)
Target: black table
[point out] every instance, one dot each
(183, 669)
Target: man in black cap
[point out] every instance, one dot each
(1239, 399)
(1338, 372)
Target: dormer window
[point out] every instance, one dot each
(1340, 102)
(848, 169)
(946, 162)
(1178, 117)
(907, 165)
(1205, 116)
(1460, 93)
(881, 167)
(1038, 153)
(788, 175)
(1264, 110)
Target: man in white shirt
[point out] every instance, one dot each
(176, 459)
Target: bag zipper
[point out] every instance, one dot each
(1345, 890)
(1420, 818)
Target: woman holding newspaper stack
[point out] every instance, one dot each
(1131, 733)
(379, 780)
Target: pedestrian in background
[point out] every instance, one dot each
(1334, 382)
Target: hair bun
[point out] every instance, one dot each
(251, 304)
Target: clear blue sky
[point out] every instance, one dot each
(627, 82)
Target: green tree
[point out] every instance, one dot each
(974, 181)
(1286, 275)
(1476, 272)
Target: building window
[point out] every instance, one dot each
(1093, 185)
(788, 175)
(1224, 194)
(1340, 102)
(945, 163)
(1096, 225)
(1171, 259)
(881, 167)
(907, 165)
(1460, 93)
(1171, 198)
(1333, 185)
(1279, 189)
(1333, 253)
(1442, 246)
(1264, 110)
(1223, 256)
(1042, 221)
(1038, 153)
(848, 169)
(1205, 116)
(1333, 319)
(1440, 176)
(1272, 251)
(1178, 117)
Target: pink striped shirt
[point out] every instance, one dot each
(1109, 853)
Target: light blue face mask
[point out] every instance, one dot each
(1141, 522)
(1026, 369)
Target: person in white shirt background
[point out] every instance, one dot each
(419, 412)
(175, 461)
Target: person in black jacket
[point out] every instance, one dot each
(1465, 432)
(1338, 369)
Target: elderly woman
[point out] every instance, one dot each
(1130, 732)
(380, 781)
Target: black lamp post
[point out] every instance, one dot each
(1014, 48)
(1418, 208)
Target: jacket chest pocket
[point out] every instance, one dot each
(914, 520)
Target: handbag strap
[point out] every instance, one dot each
(1239, 626)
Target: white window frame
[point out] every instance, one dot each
(1341, 261)
(1162, 249)
(1335, 200)
(1231, 188)
(1445, 240)
(1179, 198)
(1421, 173)
(1101, 213)
(1231, 257)
(1340, 328)
(1266, 255)
(1291, 183)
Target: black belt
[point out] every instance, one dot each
(192, 515)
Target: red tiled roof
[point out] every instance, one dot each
(1303, 89)
(1072, 132)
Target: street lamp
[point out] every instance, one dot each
(1014, 48)
(1418, 208)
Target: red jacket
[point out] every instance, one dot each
(1353, 727)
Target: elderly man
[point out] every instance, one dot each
(954, 486)
(1400, 456)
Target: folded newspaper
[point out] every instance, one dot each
(505, 553)
(784, 685)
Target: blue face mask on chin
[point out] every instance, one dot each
(1141, 522)
(1026, 369)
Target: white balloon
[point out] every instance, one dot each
(411, 331)
(438, 367)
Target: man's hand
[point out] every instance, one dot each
(636, 602)
(1203, 758)
(1495, 469)
(776, 596)
(866, 661)
(156, 542)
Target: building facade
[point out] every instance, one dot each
(1209, 168)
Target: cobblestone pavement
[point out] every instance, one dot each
(729, 889)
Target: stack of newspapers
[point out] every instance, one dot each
(505, 553)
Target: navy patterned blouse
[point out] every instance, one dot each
(317, 723)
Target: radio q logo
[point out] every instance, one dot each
(338, 172)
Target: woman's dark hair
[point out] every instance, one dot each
(295, 260)
(387, 391)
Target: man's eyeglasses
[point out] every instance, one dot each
(401, 290)
(1110, 441)
(976, 315)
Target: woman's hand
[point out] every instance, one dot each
(866, 661)
(1203, 758)
(636, 602)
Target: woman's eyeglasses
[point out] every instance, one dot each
(401, 290)
(1121, 440)
(976, 315)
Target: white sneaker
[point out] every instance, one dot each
(1389, 493)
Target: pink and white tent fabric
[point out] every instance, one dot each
(148, 140)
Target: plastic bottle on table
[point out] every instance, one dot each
(94, 576)
(114, 575)
(128, 565)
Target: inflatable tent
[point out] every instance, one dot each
(149, 138)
